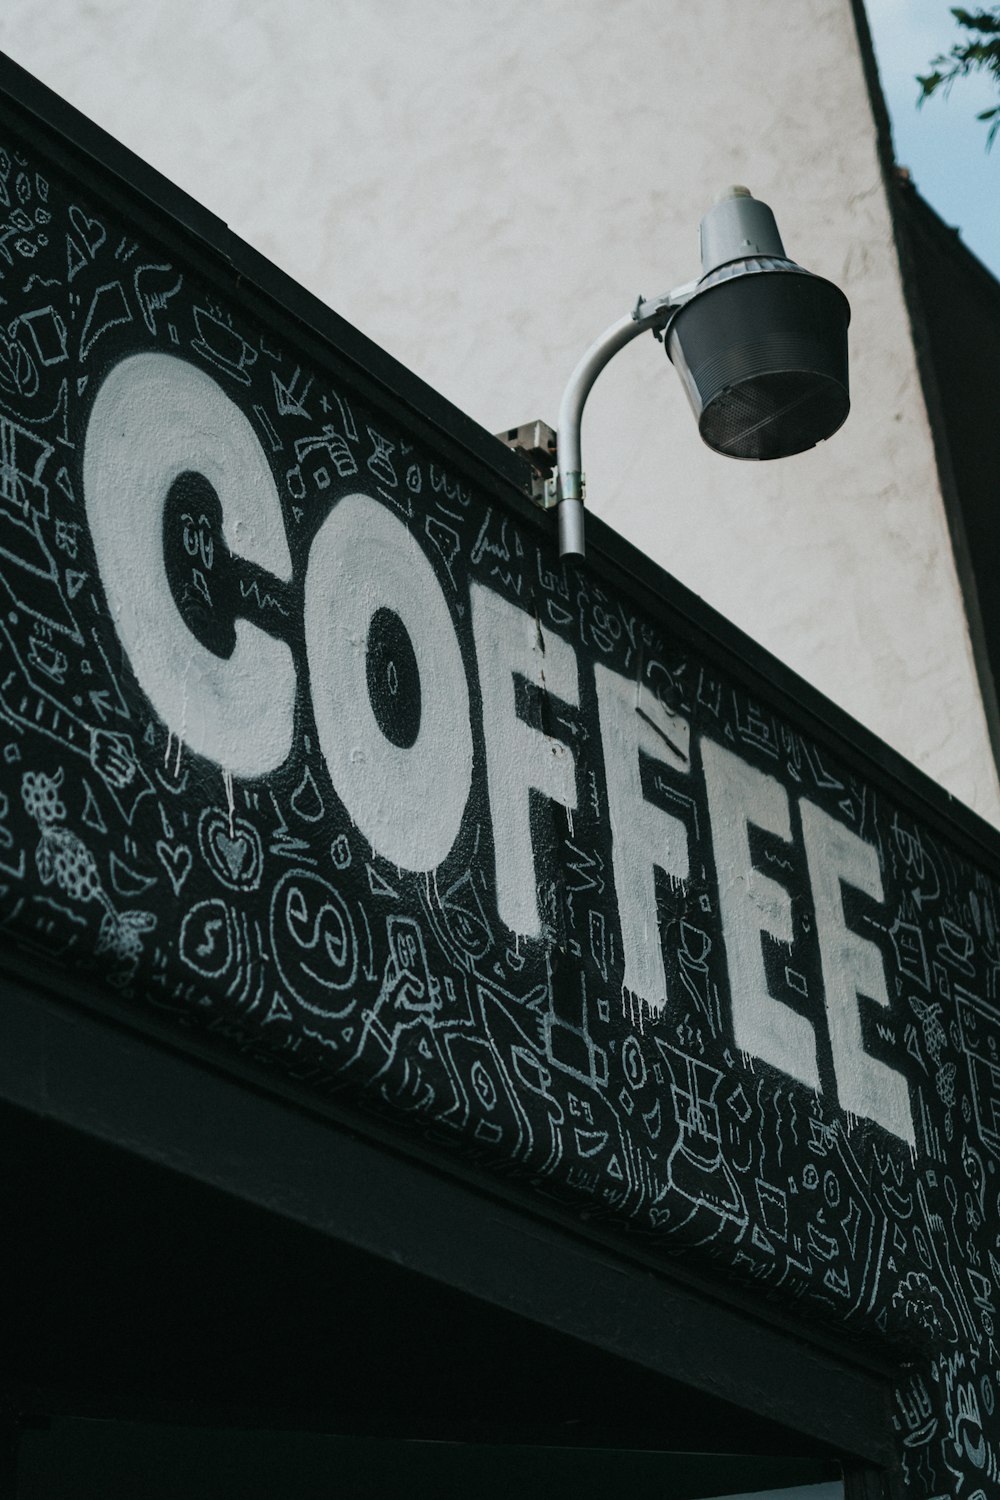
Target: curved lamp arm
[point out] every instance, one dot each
(655, 313)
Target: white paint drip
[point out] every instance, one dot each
(227, 781)
(634, 1009)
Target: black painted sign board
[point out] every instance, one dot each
(313, 752)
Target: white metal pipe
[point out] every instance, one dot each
(568, 455)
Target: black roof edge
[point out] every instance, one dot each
(914, 218)
(948, 236)
(860, 749)
(906, 204)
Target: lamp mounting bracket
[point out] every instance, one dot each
(536, 444)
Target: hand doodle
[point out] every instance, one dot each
(111, 755)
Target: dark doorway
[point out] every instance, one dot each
(206, 1286)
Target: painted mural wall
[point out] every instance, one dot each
(311, 749)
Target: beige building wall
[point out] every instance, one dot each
(483, 188)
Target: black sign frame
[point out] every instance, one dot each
(126, 187)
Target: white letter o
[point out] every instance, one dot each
(408, 802)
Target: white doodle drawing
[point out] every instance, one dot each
(48, 335)
(697, 1171)
(314, 941)
(380, 459)
(222, 346)
(108, 308)
(318, 459)
(154, 286)
(63, 859)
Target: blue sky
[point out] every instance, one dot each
(942, 143)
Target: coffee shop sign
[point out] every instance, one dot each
(157, 417)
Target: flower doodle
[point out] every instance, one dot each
(62, 857)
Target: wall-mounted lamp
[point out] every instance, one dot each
(760, 345)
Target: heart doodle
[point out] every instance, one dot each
(232, 849)
(90, 231)
(176, 859)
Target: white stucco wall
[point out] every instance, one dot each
(482, 189)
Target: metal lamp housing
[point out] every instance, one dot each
(761, 344)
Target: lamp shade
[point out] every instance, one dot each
(761, 348)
